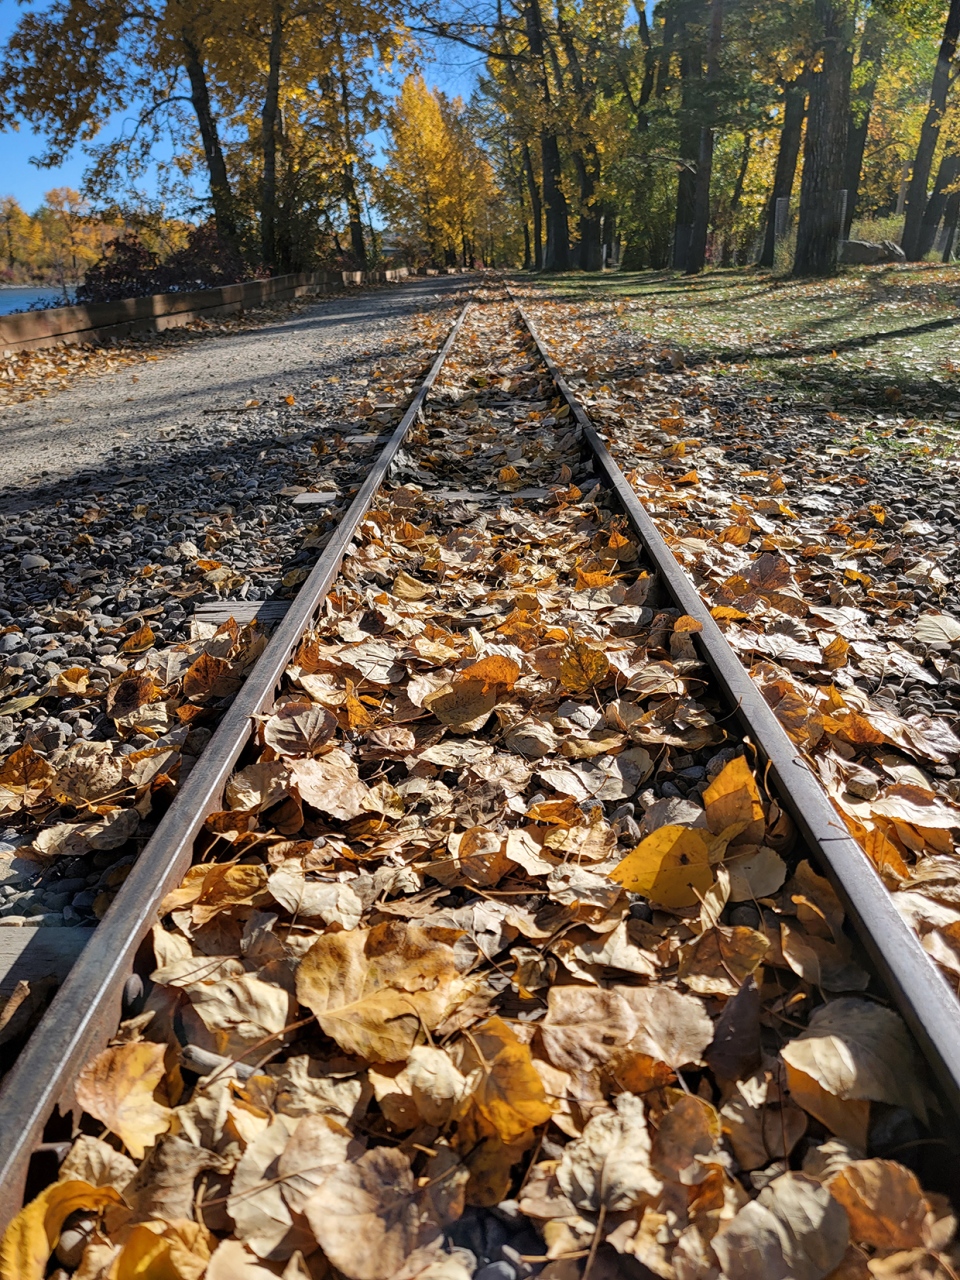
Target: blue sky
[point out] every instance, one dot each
(448, 68)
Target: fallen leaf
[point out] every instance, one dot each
(369, 1216)
(671, 866)
(794, 1230)
(117, 1089)
(32, 1236)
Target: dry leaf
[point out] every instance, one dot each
(374, 989)
(671, 866)
(33, 1234)
(794, 1230)
(117, 1088)
(369, 1217)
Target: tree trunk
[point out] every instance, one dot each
(609, 234)
(691, 74)
(947, 175)
(351, 198)
(911, 239)
(556, 255)
(871, 54)
(697, 256)
(736, 197)
(951, 216)
(794, 109)
(269, 211)
(821, 221)
(536, 208)
(590, 256)
(220, 194)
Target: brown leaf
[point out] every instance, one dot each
(721, 959)
(299, 729)
(859, 1050)
(369, 1216)
(794, 1230)
(130, 692)
(373, 990)
(141, 640)
(584, 1026)
(884, 1203)
(331, 784)
(688, 1138)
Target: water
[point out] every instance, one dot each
(20, 297)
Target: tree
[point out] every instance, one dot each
(788, 152)
(821, 215)
(912, 240)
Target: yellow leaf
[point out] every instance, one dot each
(374, 990)
(581, 666)
(178, 1250)
(510, 1094)
(73, 680)
(495, 670)
(117, 1087)
(733, 798)
(590, 580)
(845, 1117)
(738, 535)
(509, 479)
(671, 866)
(140, 641)
(835, 654)
(884, 1202)
(33, 1234)
(408, 588)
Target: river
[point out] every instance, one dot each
(19, 297)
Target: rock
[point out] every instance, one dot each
(868, 253)
(33, 561)
(497, 1271)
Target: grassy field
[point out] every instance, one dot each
(879, 339)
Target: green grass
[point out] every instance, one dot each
(881, 340)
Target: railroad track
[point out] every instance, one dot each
(418, 782)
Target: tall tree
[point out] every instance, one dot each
(912, 240)
(821, 215)
(701, 199)
(873, 45)
(788, 152)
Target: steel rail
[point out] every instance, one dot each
(85, 1011)
(927, 1003)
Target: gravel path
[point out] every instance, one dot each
(91, 431)
(128, 503)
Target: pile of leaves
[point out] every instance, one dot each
(813, 601)
(432, 998)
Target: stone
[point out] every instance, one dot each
(33, 561)
(868, 253)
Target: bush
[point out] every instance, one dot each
(129, 269)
